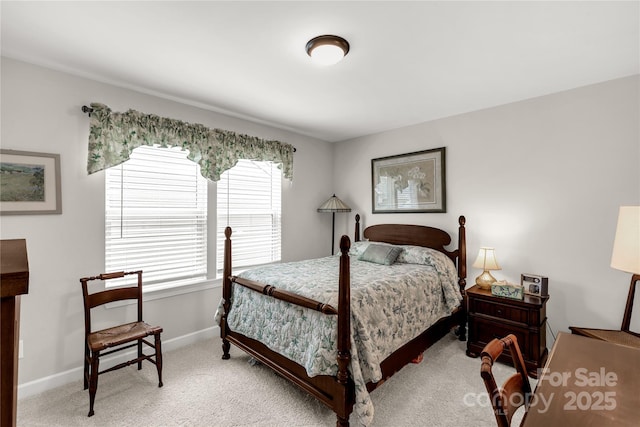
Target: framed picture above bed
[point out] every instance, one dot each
(412, 182)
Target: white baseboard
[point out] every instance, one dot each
(56, 380)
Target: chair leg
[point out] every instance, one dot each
(158, 358)
(93, 380)
(86, 366)
(139, 354)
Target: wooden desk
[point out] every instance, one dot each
(587, 382)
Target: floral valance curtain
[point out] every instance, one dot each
(113, 136)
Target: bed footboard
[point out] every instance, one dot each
(337, 393)
(283, 295)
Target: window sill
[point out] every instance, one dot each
(171, 289)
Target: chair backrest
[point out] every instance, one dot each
(516, 390)
(99, 298)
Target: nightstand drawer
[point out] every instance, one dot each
(483, 331)
(500, 311)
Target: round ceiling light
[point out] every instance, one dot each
(327, 50)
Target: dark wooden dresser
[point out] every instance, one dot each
(490, 317)
(14, 282)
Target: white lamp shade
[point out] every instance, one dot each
(487, 260)
(626, 246)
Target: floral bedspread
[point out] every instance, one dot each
(390, 305)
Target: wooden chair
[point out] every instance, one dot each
(516, 390)
(116, 338)
(624, 336)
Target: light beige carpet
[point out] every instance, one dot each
(200, 389)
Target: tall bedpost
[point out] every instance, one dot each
(462, 276)
(462, 248)
(356, 236)
(344, 325)
(226, 293)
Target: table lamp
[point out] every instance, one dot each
(334, 205)
(626, 252)
(486, 261)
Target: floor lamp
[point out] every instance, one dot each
(626, 253)
(334, 205)
(625, 257)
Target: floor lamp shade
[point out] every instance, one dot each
(333, 205)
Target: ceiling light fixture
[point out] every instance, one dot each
(327, 49)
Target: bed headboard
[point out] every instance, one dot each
(421, 235)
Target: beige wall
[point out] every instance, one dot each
(540, 180)
(41, 112)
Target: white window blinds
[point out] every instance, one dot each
(156, 216)
(249, 201)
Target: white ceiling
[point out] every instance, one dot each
(410, 62)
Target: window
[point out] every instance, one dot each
(249, 201)
(156, 216)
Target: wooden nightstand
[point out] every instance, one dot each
(492, 317)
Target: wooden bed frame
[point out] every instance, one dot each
(338, 392)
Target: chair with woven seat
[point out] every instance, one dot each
(119, 337)
(516, 390)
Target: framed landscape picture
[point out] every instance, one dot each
(413, 182)
(29, 183)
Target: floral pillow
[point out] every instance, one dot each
(427, 256)
(419, 255)
(357, 248)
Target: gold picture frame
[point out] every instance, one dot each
(409, 183)
(29, 183)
